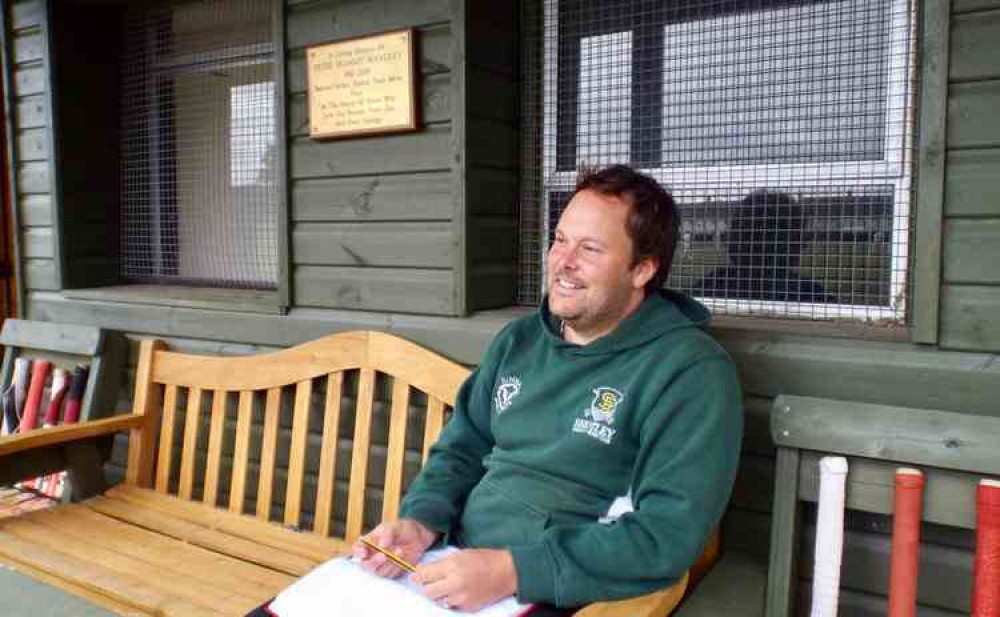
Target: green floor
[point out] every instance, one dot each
(21, 596)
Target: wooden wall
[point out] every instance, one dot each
(970, 295)
(402, 233)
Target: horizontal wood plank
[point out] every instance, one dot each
(397, 197)
(32, 145)
(36, 210)
(29, 46)
(972, 251)
(492, 191)
(34, 178)
(40, 274)
(962, 442)
(972, 54)
(324, 21)
(26, 14)
(375, 289)
(433, 57)
(97, 580)
(414, 245)
(969, 318)
(493, 96)
(972, 119)
(971, 188)
(64, 338)
(31, 112)
(959, 7)
(496, 145)
(29, 80)
(37, 242)
(428, 150)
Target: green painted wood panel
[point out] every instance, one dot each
(433, 57)
(385, 245)
(26, 14)
(969, 318)
(429, 150)
(31, 112)
(494, 144)
(874, 372)
(435, 105)
(32, 145)
(973, 46)
(62, 338)
(34, 178)
(29, 46)
(492, 240)
(945, 439)
(972, 118)
(492, 95)
(36, 210)
(972, 251)
(397, 197)
(971, 188)
(734, 587)
(492, 286)
(37, 242)
(968, 6)
(40, 274)
(326, 20)
(29, 80)
(491, 43)
(492, 191)
(381, 289)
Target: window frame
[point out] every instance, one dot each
(903, 95)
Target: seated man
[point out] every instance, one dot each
(593, 450)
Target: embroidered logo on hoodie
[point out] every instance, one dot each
(510, 386)
(602, 415)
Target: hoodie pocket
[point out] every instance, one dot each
(493, 518)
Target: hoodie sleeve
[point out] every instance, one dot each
(688, 453)
(455, 462)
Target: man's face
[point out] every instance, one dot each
(591, 282)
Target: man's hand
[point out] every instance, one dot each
(469, 580)
(406, 538)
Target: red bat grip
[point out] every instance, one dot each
(986, 572)
(905, 543)
(39, 371)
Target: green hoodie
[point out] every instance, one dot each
(547, 435)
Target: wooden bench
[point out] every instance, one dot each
(953, 450)
(193, 530)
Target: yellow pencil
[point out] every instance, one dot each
(396, 559)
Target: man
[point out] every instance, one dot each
(593, 450)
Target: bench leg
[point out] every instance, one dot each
(781, 574)
(86, 471)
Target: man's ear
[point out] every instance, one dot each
(644, 271)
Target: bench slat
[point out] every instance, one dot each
(268, 446)
(215, 434)
(241, 452)
(238, 546)
(433, 424)
(165, 460)
(190, 448)
(71, 573)
(328, 453)
(916, 436)
(397, 450)
(197, 593)
(308, 545)
(359, 456)
(193, 567)
(297, 454)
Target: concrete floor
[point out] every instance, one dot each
(21, 596)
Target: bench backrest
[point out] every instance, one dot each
(292, 406)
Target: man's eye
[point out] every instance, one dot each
(590, 248)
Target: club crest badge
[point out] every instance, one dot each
(510, 386)
(606, 401)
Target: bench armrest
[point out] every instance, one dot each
(56, 435)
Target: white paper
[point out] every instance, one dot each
(340, 587)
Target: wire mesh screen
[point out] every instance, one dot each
(784, 130)
(199, 152)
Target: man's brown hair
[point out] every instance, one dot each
(653, 221)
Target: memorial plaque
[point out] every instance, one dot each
(362, 86)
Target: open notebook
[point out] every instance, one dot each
(341, 587)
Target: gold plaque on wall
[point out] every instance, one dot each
(362, 86)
